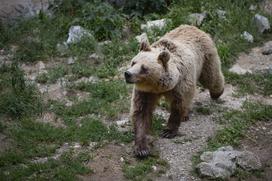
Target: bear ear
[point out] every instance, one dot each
(163, 58)
(145, 46)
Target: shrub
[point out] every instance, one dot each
(18, 98)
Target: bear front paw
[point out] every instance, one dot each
(168, 133)
(141, 152)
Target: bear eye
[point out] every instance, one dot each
(144, 69)
(133, 63)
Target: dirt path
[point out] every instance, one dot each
(178, 152)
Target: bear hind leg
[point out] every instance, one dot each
(212, 77)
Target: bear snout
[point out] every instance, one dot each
(128, 77)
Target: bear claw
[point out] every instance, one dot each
(142, 153)
(167, 133)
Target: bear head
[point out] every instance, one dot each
(152, 70)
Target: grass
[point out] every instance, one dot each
(259, 83)
(141, 170)
(226, 33)
(107, 97)
(18, 97)
(33, 139)
(52, 75)
(238, 122)
(66, 168)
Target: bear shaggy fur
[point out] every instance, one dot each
(171, 68)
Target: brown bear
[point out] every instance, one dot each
(171, 68)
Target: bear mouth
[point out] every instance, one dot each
(128, 81)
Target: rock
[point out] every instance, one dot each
(77, 145)
(206, 156)
(248, 161)
(91, 79)
(267, 52)
(161, 23)
(68, 103)
(261, 23)
(12, 10)
(154, 168)
(104, 43)
(70, 61)
(221, 14)
(223, 162)
(142, 38)
(76, 33)
(253, 7)
(209, 170)
(239, 70)
(247, 36)
(92, 145)
(225, 148)
(218, 164)
(122, 122)
(266, 6)
(41, 66)
(269, 71)
(197, 19)
(94, 57)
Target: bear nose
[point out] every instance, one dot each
(127, 74)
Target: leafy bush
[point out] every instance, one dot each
(143, 7)
(103, 20)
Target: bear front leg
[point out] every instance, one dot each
(176, 115)
(142, 109)
(180, 106)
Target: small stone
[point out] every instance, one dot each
(154, 168)
(225, 148)
(197, 18)
(142, 38)
(94, 57)
(262, 23)
(239, 70)
(122, 159)
(206, 169)
(161, 23)
(69, 103)
(221, 14)
(70, 61)
(91, 79)
(248, 161)
(41, 65)
(253, 7)
(104, 42)
(76, 33)
(122, 122)
(77, 145)
(247, 36)
(267, 50)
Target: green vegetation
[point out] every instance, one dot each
(251, 83)
(140, 170)
(52, 75)
(18, 97)
(64, 168)
(238, 122)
